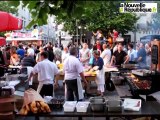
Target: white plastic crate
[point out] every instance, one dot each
(82, 106)
(132, 104)
(69, 106)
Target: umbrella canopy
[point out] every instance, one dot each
(2, 41)
(9, 22)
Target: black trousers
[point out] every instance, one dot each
(72, 89)
(47, 90)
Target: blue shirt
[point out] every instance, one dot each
(142, 53)
(21, 52)
(98, 63)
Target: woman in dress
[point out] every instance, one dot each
(85, 54)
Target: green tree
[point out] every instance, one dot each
(40, 10)
(8, 7)
(92, 14)
(102, 15)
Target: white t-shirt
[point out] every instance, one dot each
(106, 56)
(46, 71)
(72, 68)
(85, 54)
(57, 52)
(115, 48)
(64, 56)
(30, 51)
(132, 55)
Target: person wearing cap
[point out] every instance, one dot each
(73, 70)
(98, 67)
(47, 72)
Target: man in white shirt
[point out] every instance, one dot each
(47, 72)
(106, 54)
(30, 50)
(132, 53)
(73, 68)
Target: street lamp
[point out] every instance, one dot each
(55, 30)
(48, 33)
(59, 35)
(79, 27)
(77, 30)
(80, 33)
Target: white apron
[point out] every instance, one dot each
(100, 78)
(29, 70)
(80, 89)
(40, 87)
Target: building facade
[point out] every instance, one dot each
(48, 31)
(143, 27)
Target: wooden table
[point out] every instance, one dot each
(148, 109)
(60, 76)
(89, 78)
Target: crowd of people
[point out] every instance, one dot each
(44, 60)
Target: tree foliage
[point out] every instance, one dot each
(91, 14)
(7, 7)
(102, 15)
(40, 10)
